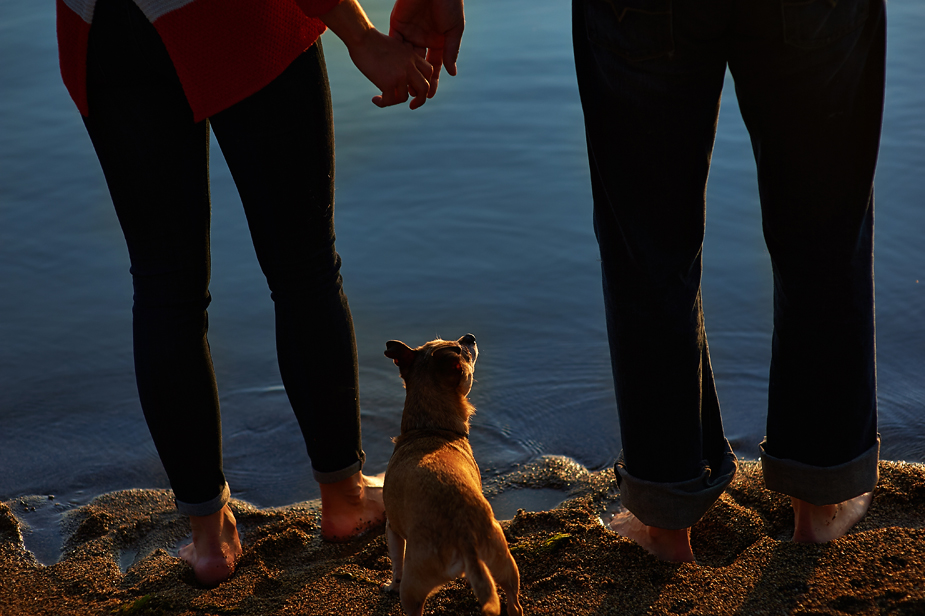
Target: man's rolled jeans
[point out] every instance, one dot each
(809, 78)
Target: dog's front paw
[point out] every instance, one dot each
(390, 588)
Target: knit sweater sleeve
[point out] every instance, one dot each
(316, 8)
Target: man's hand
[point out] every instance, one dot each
(434, 27)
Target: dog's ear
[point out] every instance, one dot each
(400, 353)
(449, 361)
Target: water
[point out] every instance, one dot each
(472, 214)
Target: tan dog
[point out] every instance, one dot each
(439, 524)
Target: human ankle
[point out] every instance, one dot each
(672, 545)
(824, 523)
(215, 547)
(351, 507)
(213, 525)
(347, 491)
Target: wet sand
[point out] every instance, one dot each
(117, 559)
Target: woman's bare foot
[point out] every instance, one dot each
(663, 543)
(822, 523)
(351, 507)
(215, 547)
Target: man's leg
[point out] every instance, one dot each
(810, 86)
(650, 85)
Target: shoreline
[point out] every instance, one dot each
(117, 558)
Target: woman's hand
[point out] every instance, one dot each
(394, 68)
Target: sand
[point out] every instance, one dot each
(117, 559)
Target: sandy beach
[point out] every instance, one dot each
(117, 559)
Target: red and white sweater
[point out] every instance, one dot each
(223, 50)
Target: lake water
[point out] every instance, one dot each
(472, 214)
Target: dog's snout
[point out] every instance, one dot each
(468, 342)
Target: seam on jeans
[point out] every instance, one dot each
(647, 34)
(824, 21)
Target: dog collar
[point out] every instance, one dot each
(455, 433)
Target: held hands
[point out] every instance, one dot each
(394, 68)
(392, 65)
(432, 25)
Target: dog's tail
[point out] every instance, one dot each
(482, 583)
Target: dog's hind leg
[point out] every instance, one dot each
(396, 545)
(422, 575)
(505, 572)
(482, 584)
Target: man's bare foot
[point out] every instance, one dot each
(663, 543)
(215, 547)
(351, 507)
(822, 523)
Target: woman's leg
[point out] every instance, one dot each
(155, 159)
(279, 145)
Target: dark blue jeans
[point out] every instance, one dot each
(279, 145)
(809, 79)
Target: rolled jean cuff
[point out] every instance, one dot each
(679, 504)
(207, 508)
(822, 485)
(335, 476)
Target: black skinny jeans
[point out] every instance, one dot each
(279, 145)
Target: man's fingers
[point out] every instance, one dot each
(451, 49)
(435, 59)
(434, 80)
(424, 67)
(420, 81)
(419, 88)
